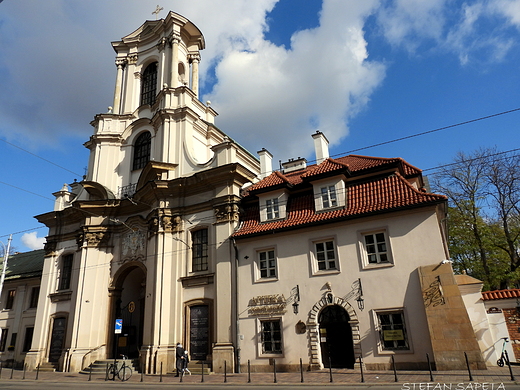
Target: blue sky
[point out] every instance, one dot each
(361, 71)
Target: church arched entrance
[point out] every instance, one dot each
(128, 309)
(336, 342)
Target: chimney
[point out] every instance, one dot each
(266, 163)
(321, 146)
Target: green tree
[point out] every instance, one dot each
(483, 220)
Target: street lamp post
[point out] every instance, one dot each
(4, 265)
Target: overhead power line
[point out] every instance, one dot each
(41, 158)
(432, 131)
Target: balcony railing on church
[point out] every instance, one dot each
(126, 191)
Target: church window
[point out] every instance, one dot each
(199, 250)
(149, 84)
(142, 148)
(66, 272)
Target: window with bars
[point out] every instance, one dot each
(66, 272)
(271, 336)
(392, 330)
(149, 84)
(325, 253)
(376, 248)
(199, 250)
(328, 197)
(142, 149)
(267, 264)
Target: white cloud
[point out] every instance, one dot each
(32, 241)
(270, 96)
(474, 30)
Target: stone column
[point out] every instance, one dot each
(174, 74)
(195, 59)
(119, 82)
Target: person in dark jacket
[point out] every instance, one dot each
(179, 358)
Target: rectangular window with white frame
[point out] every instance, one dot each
(392, 330)
(328, 197)
(375, 248)
(267, 264)
(271, 337)
(272, 209)
(325, 254)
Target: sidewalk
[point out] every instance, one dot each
(406, 379)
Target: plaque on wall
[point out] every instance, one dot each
(199, 332)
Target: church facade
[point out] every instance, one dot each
(143, 240)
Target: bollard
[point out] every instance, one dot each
(106, 373)
(24, 368)
(330, 370)
(393, 365)
(37, 372)
(509, 365)
(160, 374)
(429, 367)
(274, 371)
(1, 364)
(12, 371)
(469, 369)
(301, 371)
(248, 371)
(90, 373)
(142, 373)
(202, 378)
(225, 371)
(361, 367)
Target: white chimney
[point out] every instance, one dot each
(266, 163)
(321, 147)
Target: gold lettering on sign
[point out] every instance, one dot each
(267, 304)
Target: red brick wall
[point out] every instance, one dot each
(513, 326)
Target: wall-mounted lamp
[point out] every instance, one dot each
(359, 299)
(296, 299)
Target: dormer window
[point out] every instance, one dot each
(328, 197)
(273, 205)
(329, 194)
(272, 209)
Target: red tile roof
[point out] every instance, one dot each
(501, 294)
(380, 194)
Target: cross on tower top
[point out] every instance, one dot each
(157, 10)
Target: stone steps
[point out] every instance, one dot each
(100, 366)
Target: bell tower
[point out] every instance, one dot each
(156, 116)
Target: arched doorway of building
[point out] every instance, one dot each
(337, 346)
(128, 297)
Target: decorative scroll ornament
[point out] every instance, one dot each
(226, 212)
(433, 295)
(132, 59)
(50, 248)
(95, 239)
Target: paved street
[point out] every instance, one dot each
(493, 379)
